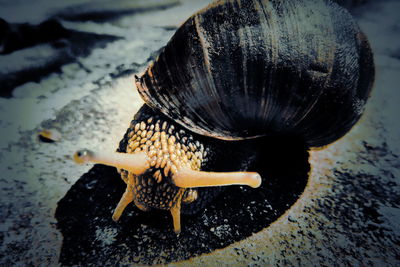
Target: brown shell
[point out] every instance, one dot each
(242, 69)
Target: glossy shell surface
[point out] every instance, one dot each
(242, 69)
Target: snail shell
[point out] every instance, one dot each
(243, 69)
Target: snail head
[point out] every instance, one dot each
(163, 167)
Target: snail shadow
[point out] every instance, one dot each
(91, 237)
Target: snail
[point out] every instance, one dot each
(236, 71)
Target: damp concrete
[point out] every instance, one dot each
(347, 213)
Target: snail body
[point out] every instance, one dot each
(239, 70)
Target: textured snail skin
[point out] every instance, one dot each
(155, 188)
(242, 69)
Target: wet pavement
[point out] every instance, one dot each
(347, 214)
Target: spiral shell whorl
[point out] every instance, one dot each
(241, 69)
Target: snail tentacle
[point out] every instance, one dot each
(126, 198)
(136, 163)
(176, 212)
(188, 178)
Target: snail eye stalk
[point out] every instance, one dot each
(136, 163)
(187, 178)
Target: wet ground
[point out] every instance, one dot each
(347, 214)
(91, 236)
